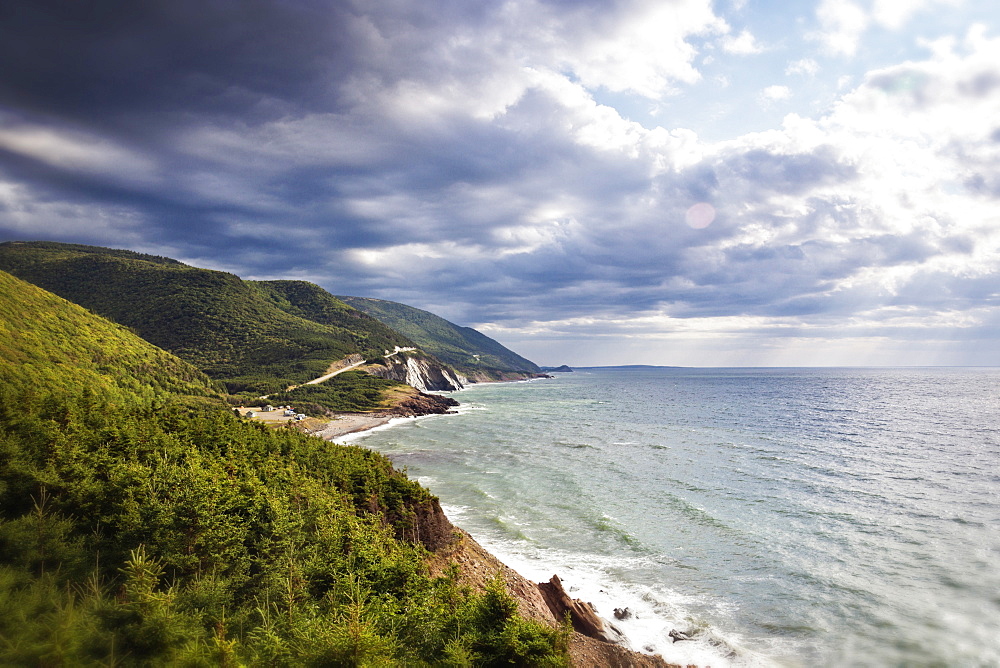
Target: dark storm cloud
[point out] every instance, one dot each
(151, 75)
(106, 62)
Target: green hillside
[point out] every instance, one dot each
(48, 342)
(253, 336)
(469, 351)
(143, 524)
(311, 302)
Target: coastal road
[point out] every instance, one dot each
(355, 365)
(316, 381)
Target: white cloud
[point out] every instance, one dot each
(427, 78)
(857, 225)
(893, 14)
(843, 22)
(642, 47)
(841, 25)
(74, 150)
(805, 66)
(743, 44)
(775, 94)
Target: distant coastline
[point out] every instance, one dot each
(631, 366)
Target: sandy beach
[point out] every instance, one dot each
(349, 423)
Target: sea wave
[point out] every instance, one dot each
(719, 501)
(653, 612)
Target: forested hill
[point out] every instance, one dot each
(473, 353)
(143, 524)
(257, 336)
(50, 345)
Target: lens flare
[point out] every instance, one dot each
(700, 215)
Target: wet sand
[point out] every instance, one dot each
(349, 423)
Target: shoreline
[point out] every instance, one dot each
(604, 645)
(350, 423)
(354, 424)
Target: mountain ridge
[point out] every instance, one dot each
(259, 337)
(255, 336)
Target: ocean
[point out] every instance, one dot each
(789, 517)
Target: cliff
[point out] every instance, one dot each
(421, 404)
(589, 645)
(419, 371)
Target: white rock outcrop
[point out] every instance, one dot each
(419, 372)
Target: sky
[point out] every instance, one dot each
(675, 182)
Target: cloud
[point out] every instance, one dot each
(893, 14)
(805, 67)
(456, 157)
(840, 216)
(773, 94)
(643, 48)
(63, 148)
(743, 44)
(841, 25)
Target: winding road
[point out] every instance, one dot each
(316, 381)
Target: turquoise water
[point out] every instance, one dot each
(783, 516)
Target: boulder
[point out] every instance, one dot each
(582, 614)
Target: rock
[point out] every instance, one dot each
(622, 613)
(677, 635)
(582, 615)
(429, 526)
(422, 404)
(589, 653)
(419, 372)
(477, 567)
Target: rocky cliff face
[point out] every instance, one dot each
(546, 602)
(419, 372)
(422, 404)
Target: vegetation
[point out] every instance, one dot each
(348, 391)
(309, 301)
(259, 337)
(141, 523)
(464, 348)
(47, 342)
